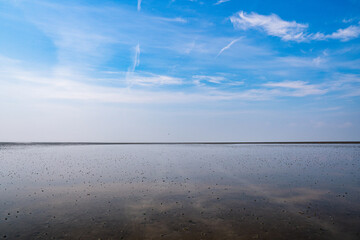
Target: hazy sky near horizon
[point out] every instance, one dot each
(190, 70)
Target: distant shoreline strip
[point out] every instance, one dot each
(177, 143)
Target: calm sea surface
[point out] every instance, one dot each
(180, 191)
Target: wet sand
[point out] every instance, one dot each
(180, 192)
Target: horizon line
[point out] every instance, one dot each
(180, 143)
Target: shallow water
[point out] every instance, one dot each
(180, 191)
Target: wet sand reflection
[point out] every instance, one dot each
(180, 192)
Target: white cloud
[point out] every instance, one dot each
(17, 83)
(227, 46)
(205, 78)
(342, 34)
(297, 88)
(32, 86)
(317, 36)
(273, 25)
(154, 79)
(217, 81)
(221, 1)
(346, 34)
(348, 20)
(317, 61)
(287, 84)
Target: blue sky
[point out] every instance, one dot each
(179, 70)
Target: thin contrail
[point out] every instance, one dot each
(227, 46)
(139, 5)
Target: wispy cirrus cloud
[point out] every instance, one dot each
(17, 82)
(79, 39)
(273, 25)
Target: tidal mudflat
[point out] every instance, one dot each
(180, 191)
